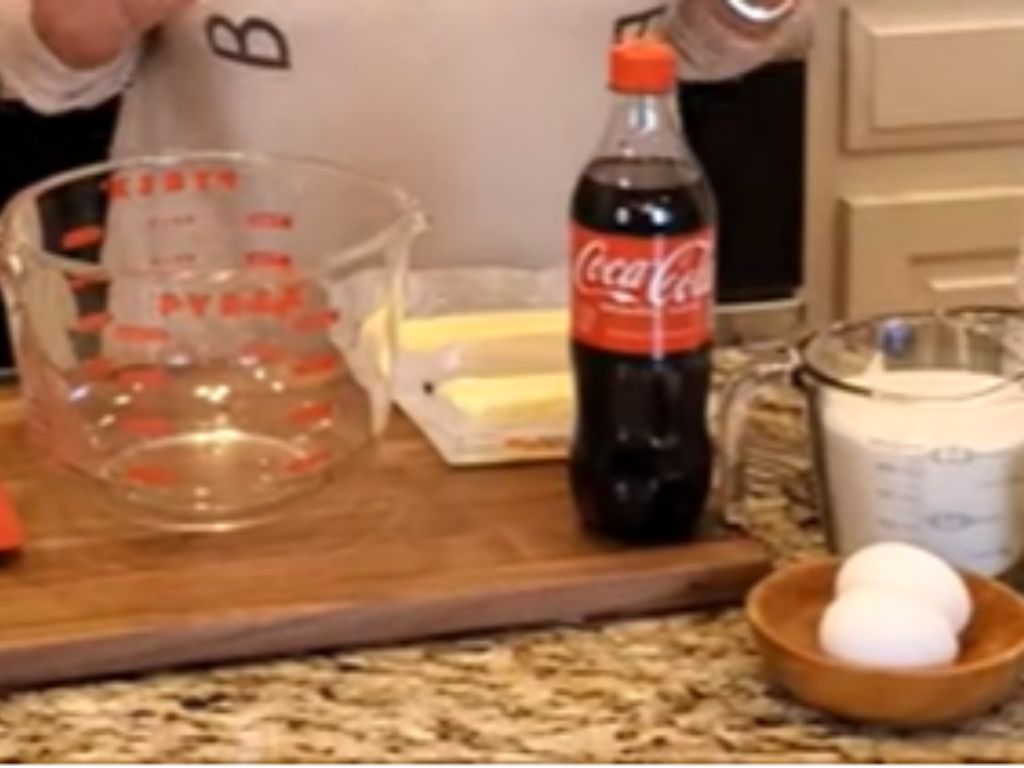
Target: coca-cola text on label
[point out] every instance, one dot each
(642, 295)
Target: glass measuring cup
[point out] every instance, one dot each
(917, 428)
(191, 329)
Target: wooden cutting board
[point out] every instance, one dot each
(400, 548)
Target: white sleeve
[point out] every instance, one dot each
(31, 73)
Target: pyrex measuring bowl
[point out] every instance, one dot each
(917, 424)
(190, 328)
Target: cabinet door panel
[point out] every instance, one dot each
(928, 75)
(930, 250)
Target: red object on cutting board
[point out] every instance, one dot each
(11, 534)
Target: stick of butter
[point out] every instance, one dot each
(511, 401)
(423, 334)
(488, 387)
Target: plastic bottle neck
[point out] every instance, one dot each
(644, 126)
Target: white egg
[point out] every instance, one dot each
(897, 567)
(886, 629)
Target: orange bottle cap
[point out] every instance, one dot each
(643, 66)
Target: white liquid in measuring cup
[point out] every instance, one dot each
(947, 476)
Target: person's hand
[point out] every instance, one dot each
(720, 39)
(755, 18)
(89, 33)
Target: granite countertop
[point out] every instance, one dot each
(680, 689)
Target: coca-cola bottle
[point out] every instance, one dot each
(643, 241)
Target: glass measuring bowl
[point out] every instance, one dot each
(190, 329)
(917, 427)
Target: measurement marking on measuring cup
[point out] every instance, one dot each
(144, 378)
(173, 260)
(309, 463)
(126, 186)
(81, 237)
(315, 321)
(196, 304)
(268, 220)
(269, 260)
(326, 362)
(96, 368)
(151, 475)
(952, 455)
(287, 300)
(172, 220)
(266, 303)
(148, 427)
(313, 413)
(262, 351)
(141, 334)
(951, 521)
(211, 178)
(292, 298)
(278, 301)
(93, 323)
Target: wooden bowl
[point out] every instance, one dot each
(785, 609)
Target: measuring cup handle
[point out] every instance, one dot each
(739, 396)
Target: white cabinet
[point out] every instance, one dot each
(915, 155)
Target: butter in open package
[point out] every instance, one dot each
(482, 365)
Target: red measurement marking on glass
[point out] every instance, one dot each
(81, 237)
(326, 362)
(173, 260)
(291, 298)
(269, 260)
(149, 427)
(151, 476)
(267, 303)
(146, 184)
(117, 187)
(96, 368)
(232, 305)
(172, 220)
(312, 413)
(277, 301)
(144, 378)
(315, 321)
(262, 351)
(141, 334)
(84, 282)
(194, 304)
(174, 181)
(309, 463)
(213, 178)
(92, 323)
(269, 220)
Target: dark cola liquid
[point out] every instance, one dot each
(641, 459)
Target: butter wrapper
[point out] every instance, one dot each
(483, 366)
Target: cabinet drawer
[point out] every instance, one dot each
(932, 74)
(931, 250)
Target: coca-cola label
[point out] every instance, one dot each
(642, 295)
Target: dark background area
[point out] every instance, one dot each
(749, 134)
(36, 146)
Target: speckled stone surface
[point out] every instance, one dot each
(680, 689)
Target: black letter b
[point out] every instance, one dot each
(255, 41)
